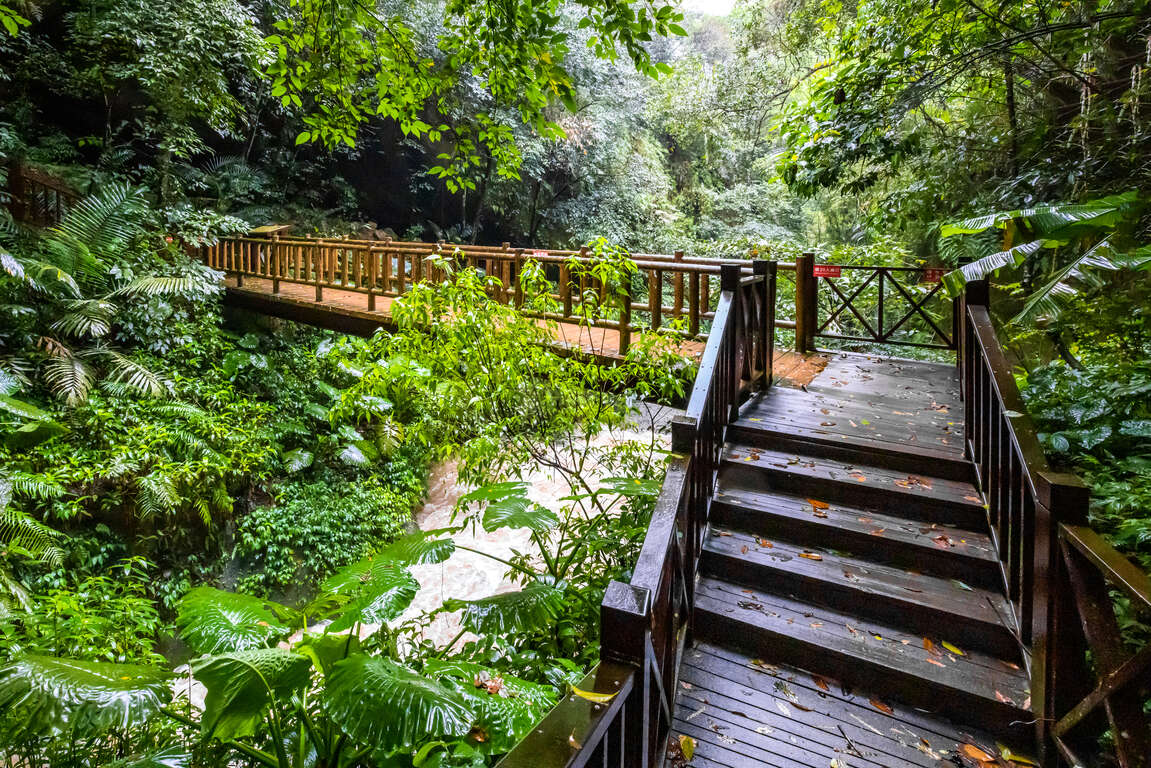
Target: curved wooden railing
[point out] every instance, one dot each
(37, 197)
(1088, 690)
(645, 622)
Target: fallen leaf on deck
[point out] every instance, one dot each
(943, 542)
(825, 411)
(685, 685)
(827, 423)
(962, 586)
(786, 710)
(930, 647)
(811, 555)
(598, 698)
(859, 477)
(815, 503)
(572, 741)
(1010, 664)
(743, 549)
(763, 666)
(914, 481)
(1003, 699)
(884, 708)
(936, 662)
(724, 533)
(820, 683)
(973, 499)
(763, 729)
(877, 531)
(975, 753)
(765, 543)
(953, 649)
(867, 520)
(687, 747)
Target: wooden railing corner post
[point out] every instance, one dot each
(977, 293)
(804, 301)
(625, 615)
(517, 278)
(16, 189)
(274, 261)
(729, 275)
(766, 345)
(683, 432)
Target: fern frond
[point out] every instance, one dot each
(21, 532)
(34, 486)
(181, 410)
(156, 495)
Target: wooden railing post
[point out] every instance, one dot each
(677, 291)
(805, 294)
(1056, 659)
(625, 316)
(624, 622)
(766, 347)
(17, 190)
(975, 294)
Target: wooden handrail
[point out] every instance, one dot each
(645, 622)
(38, 197)
(1058, 572)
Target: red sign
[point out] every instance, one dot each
(539, 254)
(826, 270)
(933, 274)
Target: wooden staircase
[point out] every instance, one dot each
(867, 561)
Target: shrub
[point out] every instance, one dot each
(315, 528)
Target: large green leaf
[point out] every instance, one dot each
(384, 706)
(530, 609)
(507, 707)
(45, 696)
(508, 506)
(954, 281)
(214, 621)
(423, 548)
(241, 686)
(1056, 221)
(1044, 301)
(384, 593)
(327, 649)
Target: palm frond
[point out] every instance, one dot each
(91, 318)
(162, 285)
(69, 377)
(127, 371)
(19, 531)
(105, 221)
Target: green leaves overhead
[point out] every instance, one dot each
(378, 702)
(43, 696)
(241, 685)
(530, 609)
(508, 506)
(421, 548)
(212, 621)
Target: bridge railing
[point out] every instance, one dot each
(674, 292)
(36, 197)
(1087, 689)
(645, 622)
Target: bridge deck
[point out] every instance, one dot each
(347, 312)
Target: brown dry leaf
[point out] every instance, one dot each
(765, 543)
(936, 662)
(1003, 699)
(811, 555)
(827, 423)
(573, 743)
(973, 499)
(820, 683)
(724, 533)
(866, 520)
(975, 753)
(743, 549)
(930, 647)
(859, 477)
(943, 542)
(825, 411)
(763, 666)
(818, 504)
(877, 531)
(882, 707)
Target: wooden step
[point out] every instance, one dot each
(871, 591)
(903, 494)
(745, 712)
(916, 669)
(940, 550)
(811, 441)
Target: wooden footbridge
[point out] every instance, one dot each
(876, 569)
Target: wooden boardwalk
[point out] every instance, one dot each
(348, 312)
(850, 608)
